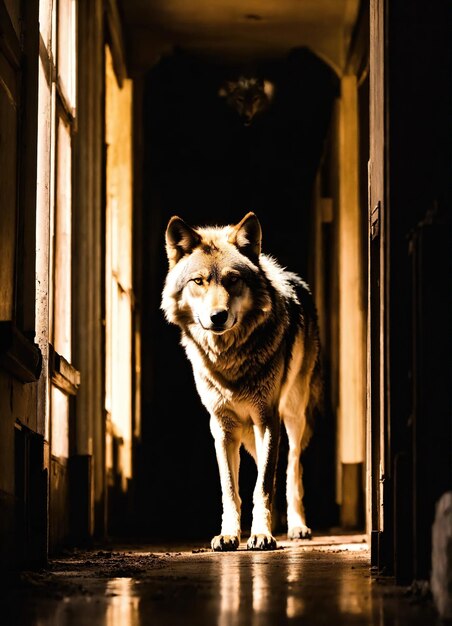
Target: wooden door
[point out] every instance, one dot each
(378, 431)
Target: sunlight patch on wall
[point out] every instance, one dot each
(60, 423)
(119, 294)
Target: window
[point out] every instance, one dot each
(57, 116)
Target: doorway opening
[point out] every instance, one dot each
(289, 166)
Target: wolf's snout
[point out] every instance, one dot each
(219, 318)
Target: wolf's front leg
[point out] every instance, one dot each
(267, 444)
(227, 447)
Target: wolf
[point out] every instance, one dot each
(248, 96)
(249, 328)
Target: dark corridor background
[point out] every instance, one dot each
(202, 163)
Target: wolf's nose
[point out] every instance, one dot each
(218, 318)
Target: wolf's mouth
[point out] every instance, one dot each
(218, 329)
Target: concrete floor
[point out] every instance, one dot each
(324, 581)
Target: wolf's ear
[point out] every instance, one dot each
(269, 89)
(180, 239)
(247, 236)
(226, 89)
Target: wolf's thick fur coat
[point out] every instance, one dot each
(249, 328)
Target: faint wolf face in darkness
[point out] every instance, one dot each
(249, 97)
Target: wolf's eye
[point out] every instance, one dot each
(197, 280)
(233, 279)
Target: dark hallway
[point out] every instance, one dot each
(202, 163)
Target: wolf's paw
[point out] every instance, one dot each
(261, 542)
(225, 543)
(299, 532)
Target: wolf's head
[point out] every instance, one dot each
(248, 96)
(214, 280)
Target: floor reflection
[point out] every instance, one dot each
(295, 604)
(123, 607)
(260, 584)
(308, 584)
(229, 592)
(293, 585)
(253, 587)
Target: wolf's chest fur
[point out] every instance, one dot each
(242, 364)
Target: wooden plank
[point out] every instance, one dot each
(63, 374)
(116, 41)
